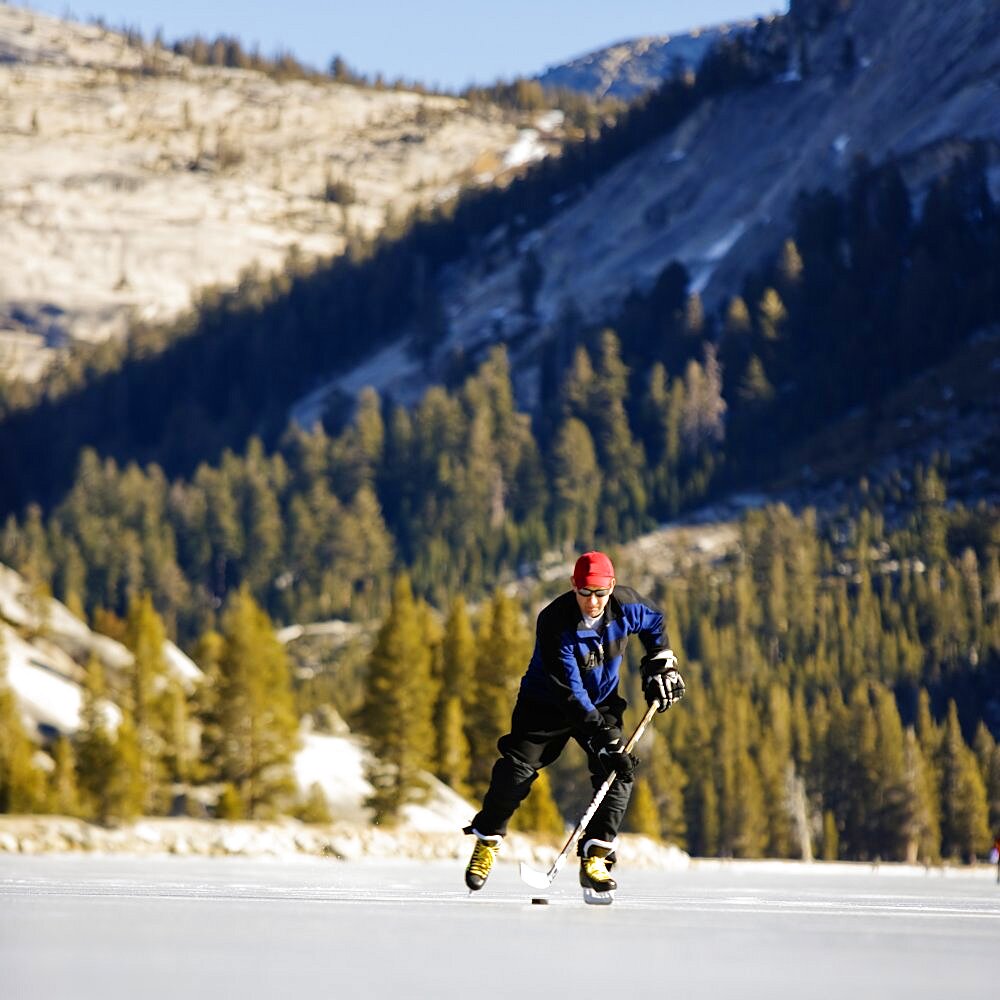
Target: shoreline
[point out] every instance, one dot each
(352, 842)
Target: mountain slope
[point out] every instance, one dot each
(628, 69)
(908, 80)
(131, 179)
(715, 192)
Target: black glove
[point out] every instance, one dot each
(662, 683)
(611, 756)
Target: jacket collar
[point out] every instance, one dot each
(612, 611)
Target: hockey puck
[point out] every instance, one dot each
(539, 901)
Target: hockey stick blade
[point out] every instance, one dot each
(536, 879)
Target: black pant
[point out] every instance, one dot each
(538, 734)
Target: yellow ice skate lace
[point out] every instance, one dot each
(483, 856)
(596, 869)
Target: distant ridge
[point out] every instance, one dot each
(629, 68)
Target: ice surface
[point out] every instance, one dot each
(86, 927)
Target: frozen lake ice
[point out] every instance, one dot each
(78, 926)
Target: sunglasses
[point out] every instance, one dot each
(593, 591)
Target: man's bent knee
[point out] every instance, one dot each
(516, 770)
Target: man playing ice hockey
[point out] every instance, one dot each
(570, 689)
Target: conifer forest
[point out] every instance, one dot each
(842, 658)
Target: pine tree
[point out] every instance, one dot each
(459, 654)
(774, 760)
(452, 757)
(755, 389)
(930, 520)
(861, 769)
(743, 817)
(831, 837)
(145, 637)
(622, 488)
(988, 756)
(929, 734)
(668, 782)
(315, 808)
(230, 805)
(964, 830)
(771, 315)
(260, 514)
(921, 828)
(64, 791)
(643, 816)
(458, 657)
(96, 756)
(254, 731)
(702, 418)
(575, 483)
(21, 783)
(539, 813)
(399, 706)
(370, 558)
(789, 265)
(709, 824)
(502, 655)
(892, 806)
(127, 792)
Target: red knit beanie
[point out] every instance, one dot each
(593, 569)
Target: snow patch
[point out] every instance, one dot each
(725, 243)
(181, 665)
(527, 149)
(337, 764)
(549, 121)
(45, 671)
(700, 279)
(49, 701)
(335, 628)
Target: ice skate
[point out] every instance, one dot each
(595, 878)
(484, 854)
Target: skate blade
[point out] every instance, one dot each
(595, 898)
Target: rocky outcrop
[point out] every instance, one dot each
(630, 68)
(345, 841)
(132, 181)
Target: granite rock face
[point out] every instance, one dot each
(132, 181)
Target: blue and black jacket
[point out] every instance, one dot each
(576, 667)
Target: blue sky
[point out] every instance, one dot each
(447, 42)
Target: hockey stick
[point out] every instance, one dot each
(542, 880)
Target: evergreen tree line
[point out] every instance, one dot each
(841, 695)
(227, 51)
(867, 293)
(458, 490)
(181, 394)
(863, 294)
(844, 693)
(524, 94)
(147, 746)
(464, 488)
(521, 94)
